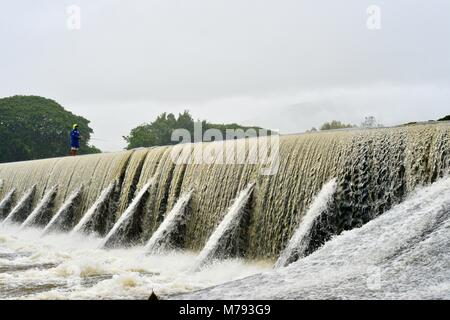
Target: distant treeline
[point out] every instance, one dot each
(159, 132)
(369, 122)
(33, 127)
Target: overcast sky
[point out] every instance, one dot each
(282, 64)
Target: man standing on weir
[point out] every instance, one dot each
(74, 140)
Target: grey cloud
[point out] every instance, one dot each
(272, 62)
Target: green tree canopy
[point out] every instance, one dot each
(33, 127)
(159, 132)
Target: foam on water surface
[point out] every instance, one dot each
(58, 266)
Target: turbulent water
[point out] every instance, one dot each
(169, 233)
(226, 238)
(60, 213)
(59, 266)
(403, 254)
(300, 241)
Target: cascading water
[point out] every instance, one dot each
(170, 234)
(301, 239)
(67, 215)
(20, 212)
(224, 239)
(42, 214)
(97, 213)
(374, 171)
(6, 204)
(402, 254)
(118, 233)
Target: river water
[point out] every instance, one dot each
(58, 266)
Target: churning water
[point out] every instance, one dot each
(301, 239)
(403, 254)
(59, 266)
(89, 226)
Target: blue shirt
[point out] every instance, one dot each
(75, 138)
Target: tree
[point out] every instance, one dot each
(33, 127)
(159, 132)
(371, 122)
(446, 118)
(335, 125)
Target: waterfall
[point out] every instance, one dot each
(168, 235)
(224, 237)
(23, 208)
(117, 234)
(66, 216)
(402, 254)
(6, 204)
(302, 237)
(95, 213)
(374, 170)
(42, 214)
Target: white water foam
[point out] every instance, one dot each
(27, 197)
(60, 267)
(42, 205)
(6, 201)
(66, 206)
(160, 240)
(402, 254)
(93, 210)
(226, 228)
(128, 214)
(301, 238)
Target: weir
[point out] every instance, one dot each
(6, 204)
(301, 240)
(225, 240)
(117, 235)
(22, 209)
(42, 214)
(402, 254)
(374, 170)
(67, 215)
(98, 215)
(170, 233)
